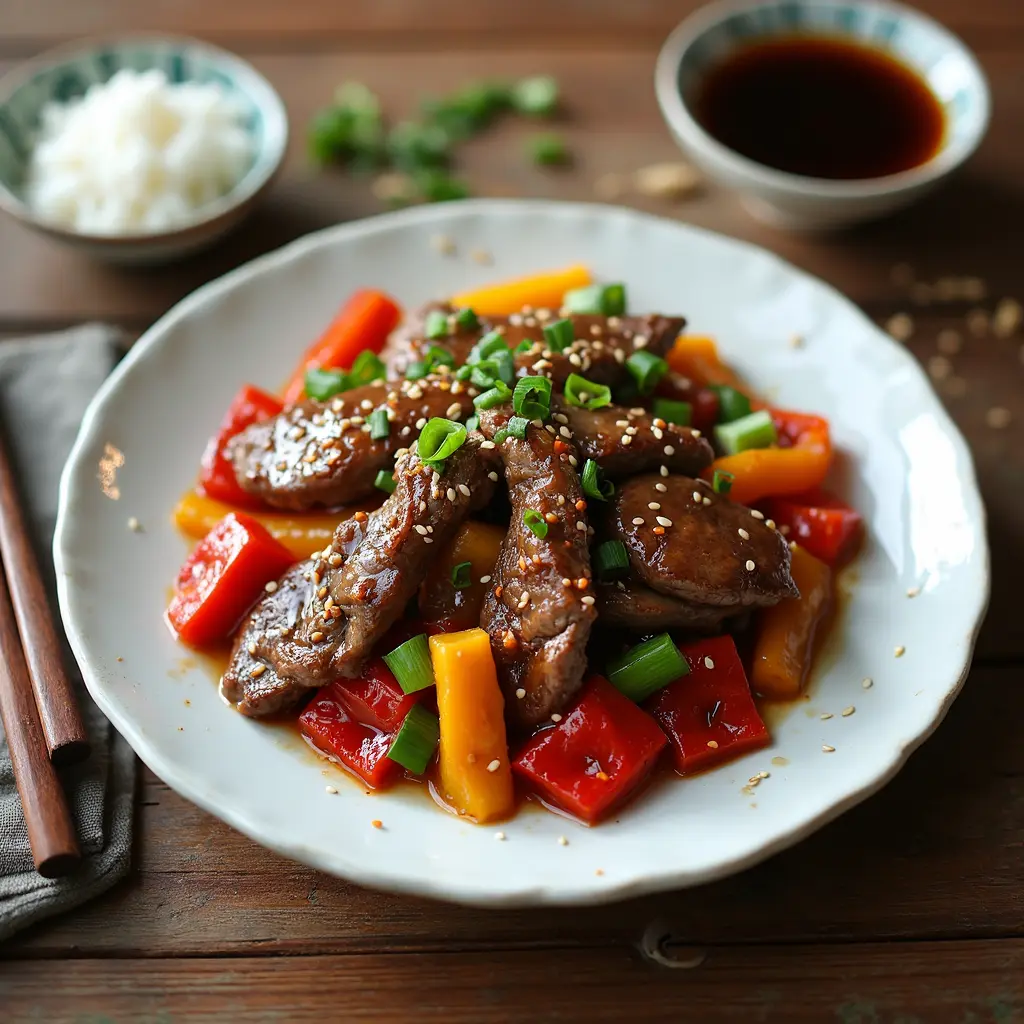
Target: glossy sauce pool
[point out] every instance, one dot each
(821, 107)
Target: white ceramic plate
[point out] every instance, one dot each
(906, 467)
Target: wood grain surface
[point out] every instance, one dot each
(907, 910)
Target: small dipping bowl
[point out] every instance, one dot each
(67, 72)
(797, 201)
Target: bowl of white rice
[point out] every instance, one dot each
(139, 149)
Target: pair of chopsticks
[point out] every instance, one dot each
(37, 702)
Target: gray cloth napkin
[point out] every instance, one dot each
(45, 385)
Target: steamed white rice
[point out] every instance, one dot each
(136, 155)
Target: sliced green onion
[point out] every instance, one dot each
(516, 427)
(439, 439)
(549, 150)
(526, 345)
(464, 372)
(416, 371)
(585, 393)
(462, 575)
(485, 375)
(559, 335)
(368, 366)
(438, 187)
(721, 481)
(532, 398)
(535, 523)
(467, 319)
(593, 481)
(486, 347)
(648, 667)
(324, 384)
(473, 422)
(646, 369)
(753, 431)
(416, 740)
(611, 560)
(380, 425)
(437, 356)
(497, 395)
(732, 404)
(673, 411)
(410, 663)
(436, 324)
(600, 299)
(537, 95)
(385, 480)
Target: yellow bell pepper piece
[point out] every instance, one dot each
(542, 291)
(476, 777)
(439, 601)
(696, 357)
(784, 649)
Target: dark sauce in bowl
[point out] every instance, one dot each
(821, 107)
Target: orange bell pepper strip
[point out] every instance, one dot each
(696, 357)
(542, 291)
(364, 322)
(784, 648)
(799, 463)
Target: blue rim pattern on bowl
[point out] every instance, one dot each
(67, 73)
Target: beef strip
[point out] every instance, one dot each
(632, 606)
(624, 442)
(321, 453)
(711, 551)
(541, 608)
(602, 345)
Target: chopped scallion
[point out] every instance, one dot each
(410, 664)
(754, 431)
(416, 740)
(532, 398)
(611, 560)
(416, 371)
(721, 481)
(466, 319)
(324, 384)
(473, 422)
(535, 523)
(437, 356)
(516, 427)
(593, 482)
(673, 411)
(380, 425)
(582, 392)
(385, 481)
(439, 439)
(497, 395)
(524, 346)
(597, 299)
(732, 404)
(368, 366)
(646, 369)
(462, 575)
(436, 324)
(646, 668)
(486, 347)
(558, 335)
(537, 95)
(549, 150)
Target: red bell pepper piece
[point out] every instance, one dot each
(329, 725)
(375, 698)
(364, 322)
(709, 716)
(595, 756)
(821, 523)
(217, 477)
(223, 577)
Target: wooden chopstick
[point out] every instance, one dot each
(63, 729)
(50, 829)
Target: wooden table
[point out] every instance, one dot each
(908, 909)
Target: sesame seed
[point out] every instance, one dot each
(663, 521)
(494, 765)
(481, 256)
(492, 476)
(658, 433)
(756, 514)
(669, 450)
(653, 505)
(637, 521)
(443, 244)
(454, 411)
(428, 540)
(316, 636)
(524, 600)
(708, 663)
(588, 600)
(770, 523)
(750, 565)
(694, 432)
(328, 604)
(640, 341)
(899, 651)
(796, 341)
(322, 593)
(626, 439)
(450, 493)
(743, 533)
(913, 591)
(520, 693)
(488, 445)
(562, 841)
(663, 471)
(271, 586)
(257, 670)
(660, 487)
(565, 432)
(252, 647)
(848, 711)
(580, 525)
(421, 530)
(867, 682)
(826, 716)
(500, 836)
(333, 790)
(134, 525)
(697, 496)
(826, 749)
(464, 490)
(572, 461)
(556, 717)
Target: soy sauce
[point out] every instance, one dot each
(821, 107)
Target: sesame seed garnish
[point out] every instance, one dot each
(443, 244)
(257, 670)
(867, 682)
(694, 432)
(663, 521)
(485, 579)
(492, 476)
(770, 523)
(420, 529)
(322, 593)
(750, 565)
(697, 496)
(332, 790)
(654, 506)
(588, 600)
(708, 663)
(134, 525)
(663, 471)
(658, 433)
(488, 445)
(669, 450)
(556, 717)
(454, 411)
(581, 525)
(572, 461)
(464, 490)
(450, 493)
(494, 765)
(626, 439)
(826, 716)
(827, 749)
(913, 591)
(660, 487)
(520, 693)
(499, 836)
(524, 600)
(848, 711)
(743, 533)
(562, 841)
(757, 515)
(316, 636)
(251, 647)
(796, 341)
(637, 521)
(271, 586)
(899, 651)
